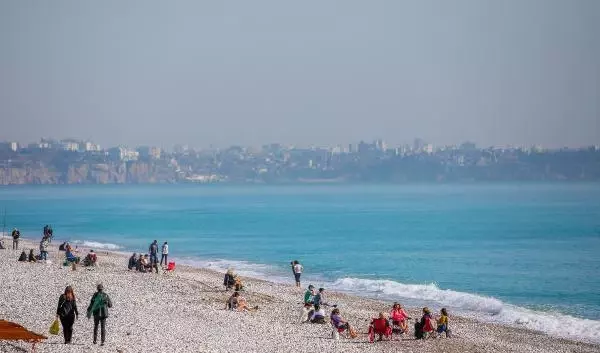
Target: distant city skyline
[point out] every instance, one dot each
(496, 73)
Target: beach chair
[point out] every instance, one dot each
(170, 268)
(379, 327)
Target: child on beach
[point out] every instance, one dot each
(442, 323)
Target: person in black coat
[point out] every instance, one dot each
(67, 312)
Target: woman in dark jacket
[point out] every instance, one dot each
(99, 309)
(67, 312)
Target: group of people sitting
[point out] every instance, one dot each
(396, 324)
(142, 263)
(148, 262)
(313, 312)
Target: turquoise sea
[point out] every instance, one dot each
(521, 254)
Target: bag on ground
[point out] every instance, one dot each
(54, 328)
(353, 333)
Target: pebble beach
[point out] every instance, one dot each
(185, 312)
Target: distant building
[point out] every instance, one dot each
(69, 145)
(91, 147)
(418, 145)
(380, 145)
(123, 154)
(428, 148)
(13, 146)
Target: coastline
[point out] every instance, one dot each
(184, 312)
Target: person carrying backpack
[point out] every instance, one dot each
(99, 309)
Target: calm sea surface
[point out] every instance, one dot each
(523, 254)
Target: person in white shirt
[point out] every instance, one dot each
(297, 269)
(165, 253)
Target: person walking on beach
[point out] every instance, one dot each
(297, 269)
(44, 249)
(165, 253)
(67, 312)
(16, 235)
(99, 309)
(154, 252)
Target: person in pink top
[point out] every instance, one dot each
(398, 317)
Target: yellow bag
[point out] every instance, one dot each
(54, 328)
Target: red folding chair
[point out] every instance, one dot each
(170, 268)
(379, 327)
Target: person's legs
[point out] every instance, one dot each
(96, 322)
(102, 331)
(68, 327)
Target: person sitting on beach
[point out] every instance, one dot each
(70, 257)
(90, 259)
(338, 322)
(239, 286)
(2, 244)
(232, 302)
(424, 328)
(229, 280)
(132, 262)
(145, 265)
(317, 316)
(31, 256)
(23, 256)
(380, 327)
(319, 299)
(63, 246)
(242, 305)
(399, 317)
(442, 323)
(309, 296)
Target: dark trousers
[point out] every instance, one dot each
(16, 244)
(67, 325)
(164, 257)
(102, 322)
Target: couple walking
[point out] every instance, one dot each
(67, 312)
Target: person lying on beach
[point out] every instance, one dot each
(317, 315)
(23, 256)
(132, 264)
(31, 256)
(229, 280)
(242, 305)
(398, 317)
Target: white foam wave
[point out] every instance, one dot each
(95, 245)
(478, 307)
(243, 268)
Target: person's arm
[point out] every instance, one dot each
(75, 308)
(108, 301)
(61, 300)
(89, 308)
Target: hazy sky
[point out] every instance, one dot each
(301, 72)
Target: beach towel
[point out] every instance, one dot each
(54, 328)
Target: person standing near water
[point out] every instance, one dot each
(154, 252)
(165, 253)
(99, 309)
(297, 269)
(67, 312)
(16, 235)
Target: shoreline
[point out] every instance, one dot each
(195, 296)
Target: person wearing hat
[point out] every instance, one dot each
(425, 325)
(99, 309)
